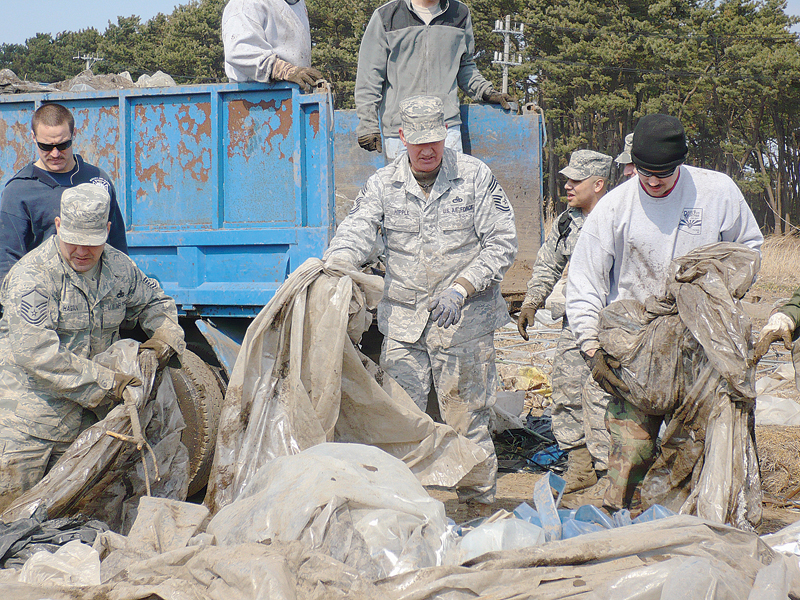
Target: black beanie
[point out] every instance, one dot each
(659, 143)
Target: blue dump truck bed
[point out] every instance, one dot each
(225, 189)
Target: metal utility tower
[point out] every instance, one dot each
(502, 58)
(89, 58)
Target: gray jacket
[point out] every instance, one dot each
(465, 228)
(51, 330)
(400, 56)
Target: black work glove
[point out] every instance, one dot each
(526, 317)
(601, 364)
(371, 142)
(494, 97)
(164, 351)
(305, 77)
(122, 381)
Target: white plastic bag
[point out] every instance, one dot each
(506, 534)
(73, 565)
(357, 503)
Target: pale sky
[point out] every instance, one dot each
(23, 19)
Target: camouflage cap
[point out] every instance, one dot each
(422, 119)
(84, 215)
(586, 163)
(625, 156)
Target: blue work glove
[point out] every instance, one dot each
(446, 307)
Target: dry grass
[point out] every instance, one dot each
(780, 264)
(779, 458)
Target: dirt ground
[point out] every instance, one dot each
(514, 353)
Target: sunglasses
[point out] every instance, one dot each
(646, 173)
(50, 147)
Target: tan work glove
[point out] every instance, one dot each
(526, 316)
(163, 350)
(371, 142)
(494, 97)
(122, 381)
(601, 364)
(779, 327)
(305, 77)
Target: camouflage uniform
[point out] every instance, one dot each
(633, 450)
(49, 333)
(463, 229)
(579, 404)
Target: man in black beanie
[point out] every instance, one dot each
(624, 252)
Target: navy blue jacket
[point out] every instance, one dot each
(30, 203)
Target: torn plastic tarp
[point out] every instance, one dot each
(74, 565)
(299, 381)
(103, 477)
(675, 558)
(354, 502)
(170, 555)
(687, 354)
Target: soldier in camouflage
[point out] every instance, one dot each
(624, 158)
(449, 236)
(65, 302)
(579, 404)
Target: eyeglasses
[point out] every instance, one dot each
(646, 173)
(48, 148)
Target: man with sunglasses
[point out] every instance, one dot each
(31, 199)
(624, 252)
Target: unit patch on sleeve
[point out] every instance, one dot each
(498, 196)
(33, 307)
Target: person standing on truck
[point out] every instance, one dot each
(579, 404)
(415, 47)
(268, 40)
(449, 236)
(31, 199)
(64, 304)
(624, 158)
(625, 249)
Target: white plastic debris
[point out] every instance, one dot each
(73, 565)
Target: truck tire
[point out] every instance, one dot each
(200, 399)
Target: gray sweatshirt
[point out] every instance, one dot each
(629, 239)
(256, 32)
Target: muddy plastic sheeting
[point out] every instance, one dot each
(102, 476)
(170, 555)
(300, 381)
(686, 355)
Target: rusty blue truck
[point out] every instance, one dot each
(227, 188)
